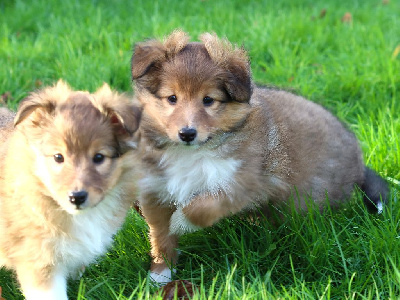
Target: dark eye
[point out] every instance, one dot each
(172, 99)
(208, 101)
(98, 158)
(59, 158)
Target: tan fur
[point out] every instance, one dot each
(284, 144)
(38, 223)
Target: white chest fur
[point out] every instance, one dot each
(188, 172)
(90, 235)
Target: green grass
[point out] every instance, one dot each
(347, 67)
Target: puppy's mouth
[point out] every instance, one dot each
(197, 143)
(165, 143)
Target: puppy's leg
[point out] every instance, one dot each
(42, 284)
(204, 211)
(163, 244)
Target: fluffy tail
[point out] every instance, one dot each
(376, 191)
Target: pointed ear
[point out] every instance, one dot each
(235, 62)
(104, 90)
(62, 85)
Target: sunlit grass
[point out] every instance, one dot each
(349, 67)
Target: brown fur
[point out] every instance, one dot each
(6, 123)
(286, 145)
(39, 224)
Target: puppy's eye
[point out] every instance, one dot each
(59, 158)
(172, 99)
(208, 101)
(98, 158)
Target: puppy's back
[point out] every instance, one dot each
(324, 157)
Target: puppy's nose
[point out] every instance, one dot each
(187, 134)
(78, 197)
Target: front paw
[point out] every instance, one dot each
(78, 273)
(179, 224)
(162, 277)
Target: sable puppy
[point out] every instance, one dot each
(65, 184)
(213, 144)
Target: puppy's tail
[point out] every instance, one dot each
(376, 191)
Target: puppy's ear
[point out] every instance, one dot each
(238, 82)
(124, 117)
(123, 114)
(31, 104)
(149, 56)
(235, 62)
(39, 105)
(145, 56)
(175, 42)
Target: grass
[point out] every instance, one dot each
(349, 67)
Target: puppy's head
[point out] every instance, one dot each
(192, 93)
(77, 140)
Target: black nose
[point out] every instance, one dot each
(78, 198)
(187, 134)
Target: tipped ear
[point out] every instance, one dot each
(124, 115)
(175, 42)
(235, 61)
(31, 104)
(145, 55)
(126, 121)
(41, 103)
(238, 83)
(148, 57)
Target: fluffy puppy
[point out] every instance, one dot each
(65, 184)
(213, 144)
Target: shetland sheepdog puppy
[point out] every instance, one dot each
(213, 144)
(65, 184)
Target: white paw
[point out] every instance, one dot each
(179, 224)
(57, 290)
(379, 207)
(163, 277)
(77, 274)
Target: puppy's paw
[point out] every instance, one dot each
(179, 224)
(57, 289)
(162, 277)
(77, 274)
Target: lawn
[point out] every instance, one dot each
(342, 54)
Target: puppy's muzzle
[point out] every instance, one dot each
(187, 134)
(78, 197)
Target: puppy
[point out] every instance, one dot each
(213, 144)
(65, 184)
